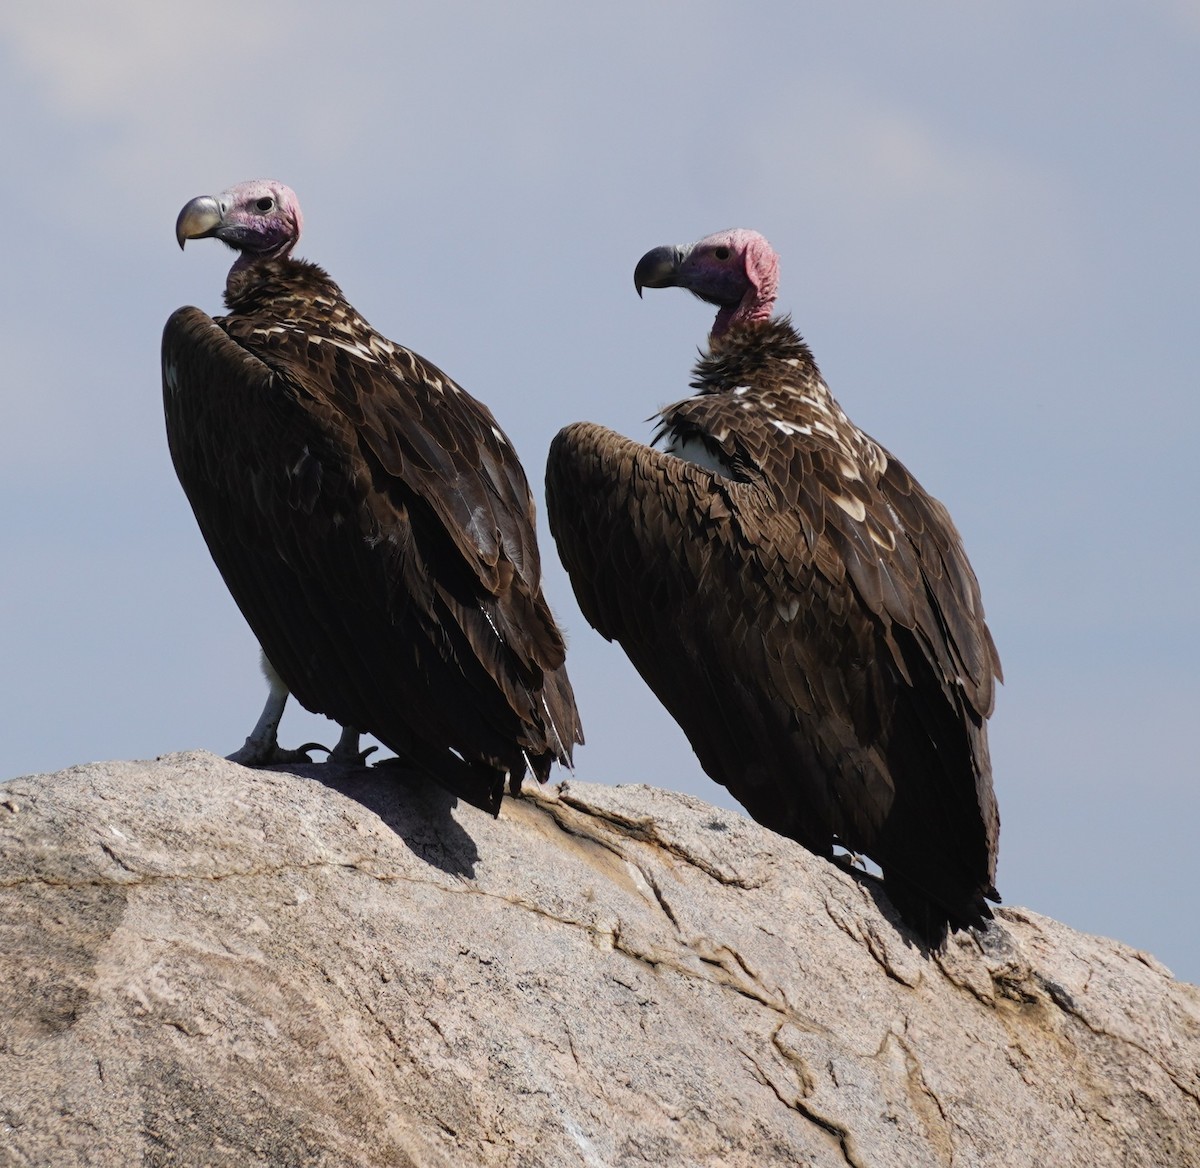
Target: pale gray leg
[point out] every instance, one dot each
(347, 752)
(262, 747)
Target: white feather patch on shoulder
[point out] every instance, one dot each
(694, 450)
(356, 348)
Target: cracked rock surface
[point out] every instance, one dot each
(202, 964)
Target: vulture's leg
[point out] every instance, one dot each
(262, 747)
(347, 752)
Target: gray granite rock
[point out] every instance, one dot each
(206, 965)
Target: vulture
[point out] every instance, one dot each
(370, 518)
(801, 606)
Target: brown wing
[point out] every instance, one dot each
(419, 434)
(803, 650)
(897, 543)
(397, 592)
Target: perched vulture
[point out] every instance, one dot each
(369, 516)
(800, 605)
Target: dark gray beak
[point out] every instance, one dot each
(200, 219)
(659, 268)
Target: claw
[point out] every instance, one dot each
(347, 753)
(256, 753)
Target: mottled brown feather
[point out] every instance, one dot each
(829, 662)
(374, 526)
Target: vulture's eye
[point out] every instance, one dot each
(721, 253)
(266, 203)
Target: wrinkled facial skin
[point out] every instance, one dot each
(737, 270)
(715, 270)
(260, 218)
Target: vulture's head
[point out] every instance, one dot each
(260, 219)
(737, 270)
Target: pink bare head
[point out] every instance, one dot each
(259, 219)
(737, 270)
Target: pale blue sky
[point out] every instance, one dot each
(987, 219)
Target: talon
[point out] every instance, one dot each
(258, 754)
(347, 753)
(301, 752)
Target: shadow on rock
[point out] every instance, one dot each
(411, 804)
(873, 886)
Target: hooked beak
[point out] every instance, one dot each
(659, 268)
(199, 219)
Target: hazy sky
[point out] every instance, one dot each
(987, 218)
